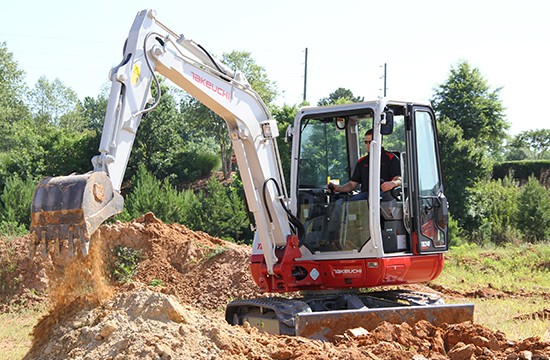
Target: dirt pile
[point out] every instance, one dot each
(183, 318)
(199, 269)
(23, 281)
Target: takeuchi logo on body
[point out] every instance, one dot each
(348, 271)
(209, 85)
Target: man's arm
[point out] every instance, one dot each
(388, 185)
(347, 187)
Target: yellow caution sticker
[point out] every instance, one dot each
(136, 71)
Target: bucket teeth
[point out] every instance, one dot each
(58, 240)
(70, 243)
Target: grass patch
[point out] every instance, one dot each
(219, 249)
(499, 314)
(519, 275)
(15, 329)
(156, 282)
(521, 268)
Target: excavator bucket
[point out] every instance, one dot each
(67, 210)
(326, 325)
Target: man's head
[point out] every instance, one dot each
(368, 139)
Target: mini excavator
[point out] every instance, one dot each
(311, 241)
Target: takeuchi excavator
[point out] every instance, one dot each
(309, 241)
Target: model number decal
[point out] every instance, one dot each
(218, 90)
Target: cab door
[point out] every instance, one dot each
(428, 198)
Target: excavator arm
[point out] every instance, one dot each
(68, 209)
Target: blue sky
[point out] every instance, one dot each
(348, 42)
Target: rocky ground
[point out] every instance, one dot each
(174, 308)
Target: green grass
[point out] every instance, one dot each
(498, 314)
(518, 277)
(15, 329)
(514, 268)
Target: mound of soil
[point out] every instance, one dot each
(183, 318)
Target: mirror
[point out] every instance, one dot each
(442, 212)
(289, 133)
(386, 127)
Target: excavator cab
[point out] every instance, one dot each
(329, 144)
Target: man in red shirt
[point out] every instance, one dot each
(390, 173)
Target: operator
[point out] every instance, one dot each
(390, 173)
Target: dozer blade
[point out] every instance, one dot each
(67, 210)
(326, 325)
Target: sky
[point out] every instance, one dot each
(348, 43)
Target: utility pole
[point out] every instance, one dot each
(385, 78)
(305, 77)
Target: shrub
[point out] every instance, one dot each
(534, 211)
(193, 165)
(492, 210)
(456, 233)
(125, 263)
(223, 213)
(15, 204)
(161, 198)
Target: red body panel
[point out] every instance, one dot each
(294, 275)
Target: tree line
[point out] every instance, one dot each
(48, 131)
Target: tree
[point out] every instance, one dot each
(530, 144)
(223, 213)
(464, 164)
(15, 202)
(466, 99)
(493, 210)
(166, 146)
(255, 74)
(340, 96)
(12, 89)
(94, 111)
(50, 101)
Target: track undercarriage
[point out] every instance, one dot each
(323, 316)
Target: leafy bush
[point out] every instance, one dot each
(223, 213)
(218, 210)
(125, 264)
(492, 210)
(15, 204)
(456, 233)
(161, 198)
(534, 211)
(189, 166)
(8, 266)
